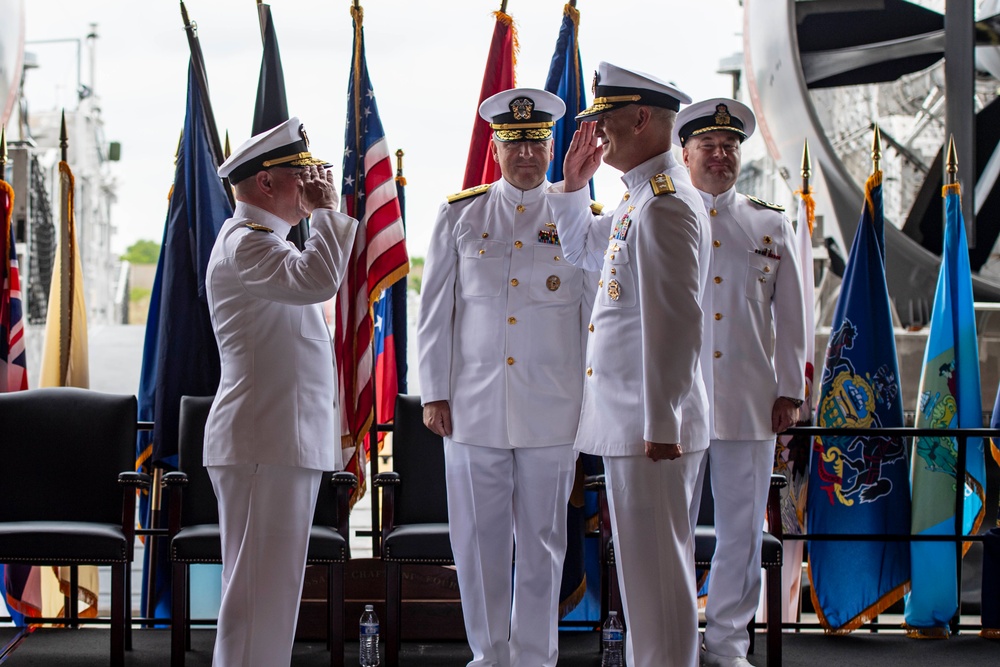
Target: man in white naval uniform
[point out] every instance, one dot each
(274, 425)
(758, 357)
(502, 318)
(645, 405)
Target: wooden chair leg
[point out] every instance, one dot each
(335, 613)
(119, 572)
(393, 612)
(774, 596)
(178, 614)
(128, 606)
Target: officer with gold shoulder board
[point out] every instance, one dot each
(757, 317)
(645, 405)
(274, 426)
(501, 339)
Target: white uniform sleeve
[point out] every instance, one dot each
(435, 330)
(788, 309)
(583, 235)
(270, 268)
(669, 285)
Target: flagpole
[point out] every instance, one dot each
(961, 444)
(806, 167)
(876, 150)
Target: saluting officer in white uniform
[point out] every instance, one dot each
(758, 353)
(645, 405)
(502, 316)
(274, 425)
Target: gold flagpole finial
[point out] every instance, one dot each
(3, 150)
(876, 149)
(63, 138)
(184, 15)
(806, 166)
(226, 150)
(399, 162)
(952, 161)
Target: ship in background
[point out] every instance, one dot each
(32, 170)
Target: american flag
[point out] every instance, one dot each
(13, 359)
(378, 260)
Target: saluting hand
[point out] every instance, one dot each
(583, 157)
(437, 417)
(319, 190)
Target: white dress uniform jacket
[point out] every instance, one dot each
(277, 397)
(502, 316)
(755, 284)
(644, 369)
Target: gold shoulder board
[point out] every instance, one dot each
(258, 228)
(596, 207)
(765, 204)
(662, 185)
(471, 192)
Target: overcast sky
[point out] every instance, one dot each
(425, 58)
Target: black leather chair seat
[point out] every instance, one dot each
(90, 543)
(326, 545)
(419, 543)
(704, 548)
(196, 544)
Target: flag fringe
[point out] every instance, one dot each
(810, 203)
(866, 615)
(990, 633)
(951, 189)
(508, 21)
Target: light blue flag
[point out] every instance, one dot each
(949, 398)
(858, 484)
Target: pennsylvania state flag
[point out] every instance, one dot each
(859, 484)
(949, 398)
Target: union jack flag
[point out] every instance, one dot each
(13, 359)
(377, 261)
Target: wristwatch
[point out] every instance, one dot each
(797, 402)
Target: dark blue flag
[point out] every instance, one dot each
(860, 484)
(180, 356)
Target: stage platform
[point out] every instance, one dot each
(89, 647)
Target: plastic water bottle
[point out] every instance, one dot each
(368, 634)
(614, 640)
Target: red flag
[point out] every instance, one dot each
(377, 261)
(480, 167)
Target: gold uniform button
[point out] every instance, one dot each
(600, 283)
(513, 282)
(518, 244)
(718, 279)
(625, 196)
(590, 371)
(520, 208)
(717, 354)
(718, 316)
(716, 243)
(556, 258)
(612, 256)
(511, 320)
(767, 269)
(613, 271)
(482, 252)
(510, 361)
(486, 235)
(591, 328)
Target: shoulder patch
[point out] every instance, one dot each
(471, 192)
(596, 207)
(765, 204)
(662, 185)
(258, 228)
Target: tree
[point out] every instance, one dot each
(142, 252)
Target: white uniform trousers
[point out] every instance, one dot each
(741, 477)
(654, 550)
(265, 513)
(499, 498)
